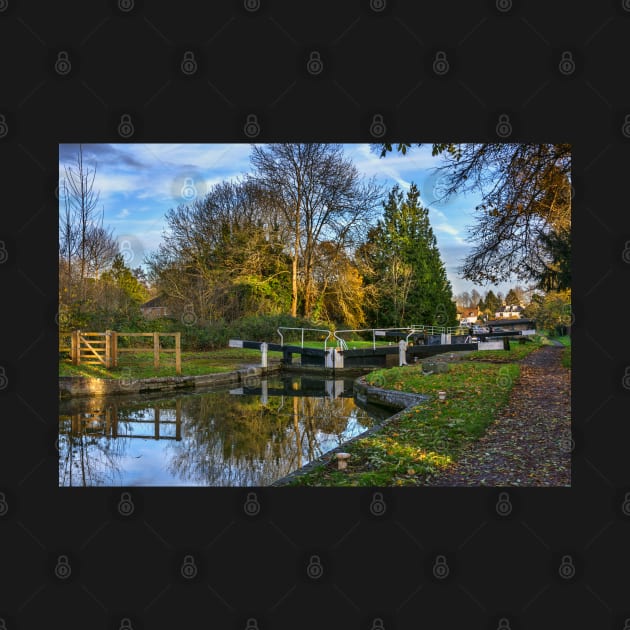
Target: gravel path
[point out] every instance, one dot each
(530, 442)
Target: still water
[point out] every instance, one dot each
(249, 436)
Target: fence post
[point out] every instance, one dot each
(73, 347)
(108, 349)
(115, 348)
(178, 352)
(156, 350)
(78, 347)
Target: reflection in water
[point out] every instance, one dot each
(248, 436)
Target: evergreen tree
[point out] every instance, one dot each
(511, 299)
(492, 303)
(407, 276)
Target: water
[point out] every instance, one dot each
(248, 436)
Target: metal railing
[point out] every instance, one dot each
(329, 333)
(414, 329)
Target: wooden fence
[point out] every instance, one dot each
(96, 348)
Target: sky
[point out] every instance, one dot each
(138, 183)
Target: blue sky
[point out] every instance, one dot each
(138, 183)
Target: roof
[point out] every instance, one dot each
(154, 302)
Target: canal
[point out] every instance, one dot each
(246, 436)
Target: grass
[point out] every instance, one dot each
(426, 438)
(565, 340)
(516, 352)
(140, 365)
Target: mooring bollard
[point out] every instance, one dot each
(402, 352)
(264, 346)
(342, 460)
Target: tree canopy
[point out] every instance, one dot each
(406, 277)
(523, 225)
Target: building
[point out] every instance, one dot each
(467, 315)
(510, 311)
(154, 308)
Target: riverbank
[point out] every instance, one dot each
(80, 386)
(427, 435)
(489, 400)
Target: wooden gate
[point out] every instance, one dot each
(92, 348)
(96, 348)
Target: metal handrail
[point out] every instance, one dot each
(302, 329)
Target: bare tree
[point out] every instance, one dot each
(81, 202)
(321, 197)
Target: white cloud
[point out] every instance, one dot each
(124, 213)
(446, 227)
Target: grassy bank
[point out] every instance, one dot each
(517, 351)
(140, 365)
(424, 439)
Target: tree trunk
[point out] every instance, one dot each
(294, 287)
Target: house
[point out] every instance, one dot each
(467, 315)
(154, 308)
(510, 311)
